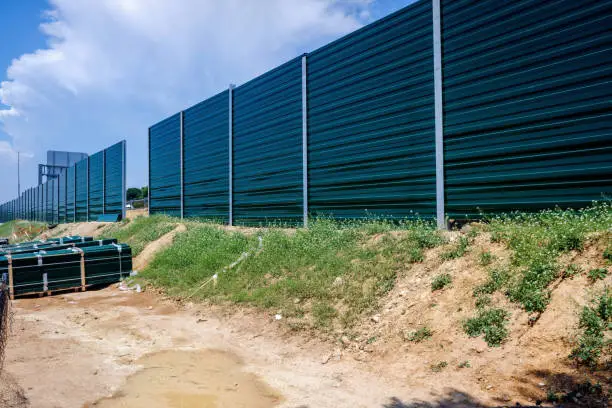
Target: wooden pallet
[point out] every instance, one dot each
(81, 288)
(52, 292)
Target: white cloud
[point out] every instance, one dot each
(114, 67)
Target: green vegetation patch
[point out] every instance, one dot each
(597, 274)
(488, 322)
(140, 231)
(458, 250)
(537, 240)
(595, 322)
(419, 335)
(441, 281)
(331, 270)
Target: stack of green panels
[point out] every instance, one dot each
(61, 269)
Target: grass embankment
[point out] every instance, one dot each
(324, 276)
(18, 230)
(331, 275)
(537, 243)
(140, 231)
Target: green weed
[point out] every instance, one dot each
(459, 249)
(436, 368)
(595, 321)
(489, 322)
(441, 281)
(608, 254)
(324, 314)
(464, 364)
(597, 274)
(537, 240)
(571, 270)
(485, 258)
(498, 277)
(483, 301)
(420, 335)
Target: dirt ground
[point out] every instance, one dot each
(111, 348)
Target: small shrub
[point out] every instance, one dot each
(420, 335)
(464, 364)
(498, 277)
(483, 301)
(458, 251)
(595, 320)
(441, 281)
(536, 241)
(551, 396)
(598, 274)
(571, 271)
(436, 368)
(485, 258)
(531, 290)
(323, 314)
(489, 322)
(608, 254)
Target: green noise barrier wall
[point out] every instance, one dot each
(70, 194)
(528, 123)
(49, 270)
(92, 189)
(445, 109)
(267, 147)
(165, 176)
(82, 176)
(206, 166)
(96, 185)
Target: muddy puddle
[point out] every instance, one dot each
(190, 379)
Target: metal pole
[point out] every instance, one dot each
(149, 180)
(87, 190)
(231, 154)
(124, 171)
(305, 138)
(103, 181)
(18, 174)
(75, 193)
(182, 119)
(439, 114)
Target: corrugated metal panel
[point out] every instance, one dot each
(206, 171)
(62, 197)
(267, 146)
(81, 190)
(96, 185)
(70, 194)
(528, 104)
(164, 156)
(44, 214)
(371, 120)
(113, 196)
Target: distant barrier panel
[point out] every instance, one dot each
(165, 175)
(114, 178)
(96, 185)
(86, 191)
(82, 171)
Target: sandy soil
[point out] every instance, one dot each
(79, 348)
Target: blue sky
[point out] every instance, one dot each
(81, 75)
